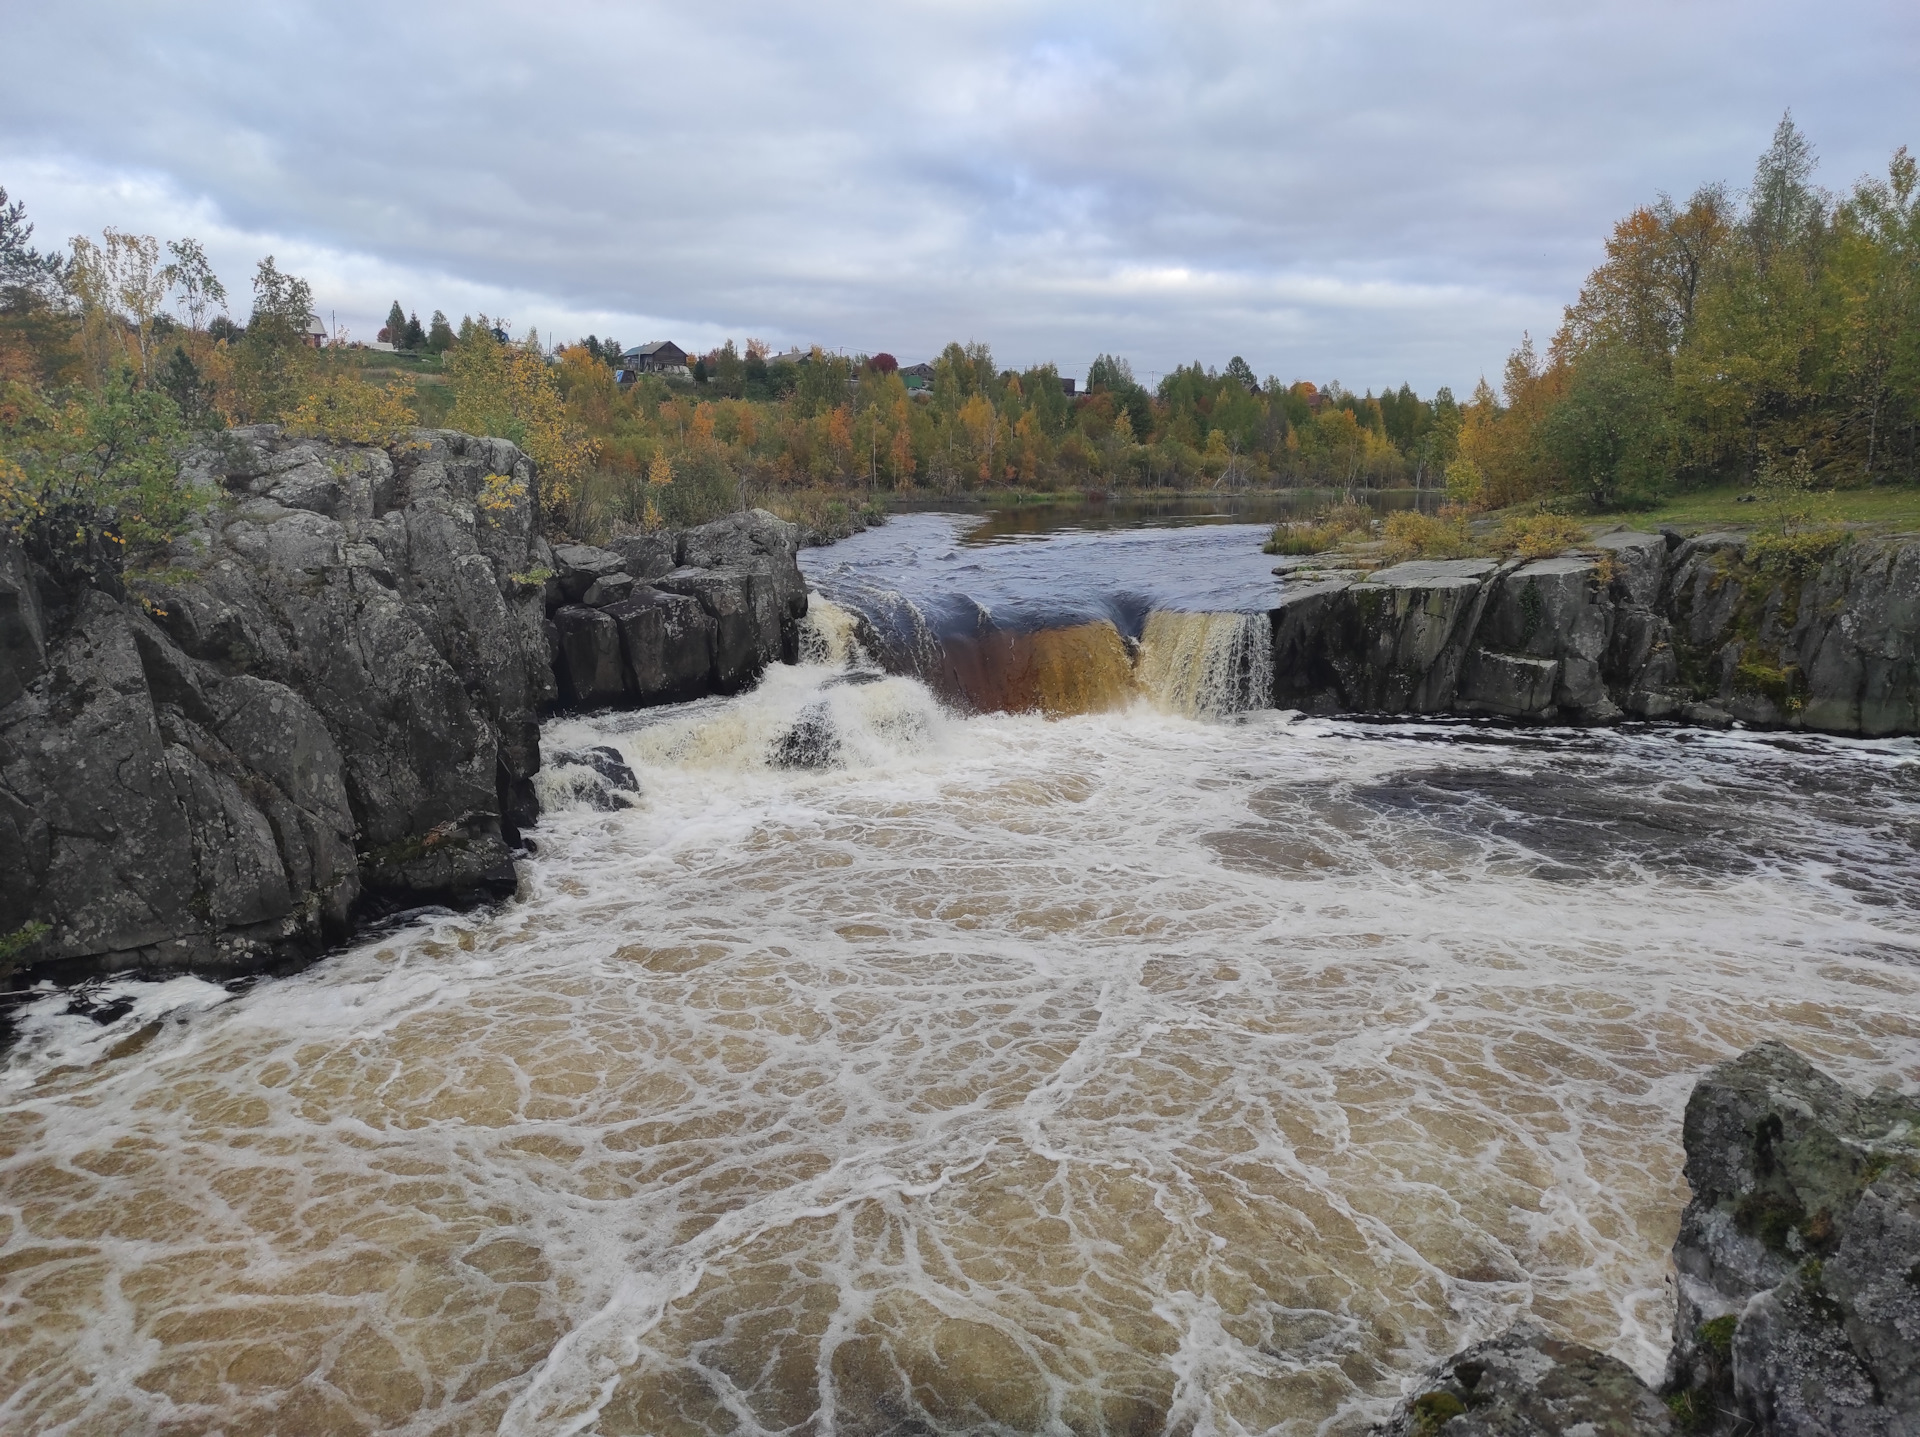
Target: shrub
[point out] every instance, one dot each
(1320, 533)
(343, 408)
(93, 476)
(1412, 535)
(1800, 552)
(1539, 536)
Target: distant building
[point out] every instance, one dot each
(316, 335)
(1069, 386)
(792, 356)
(655, 358)
(917, 376)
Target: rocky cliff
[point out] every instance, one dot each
(325, 701)
(1798, 1272)
(1709, 630)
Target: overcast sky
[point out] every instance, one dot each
(1368, 191)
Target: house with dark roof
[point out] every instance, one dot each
(656, 358)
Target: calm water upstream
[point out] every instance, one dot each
(1123, 1072)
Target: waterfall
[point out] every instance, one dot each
(1204, 665)
(830, 635)
(1201, 665)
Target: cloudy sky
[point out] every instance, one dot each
(1372, 191)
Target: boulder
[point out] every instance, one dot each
(589, 669)
(578, 566)
(607, 589)
(701, 611)
(739, 652)
(1526, 1383)
(666, 646)
(647, 556)
(1798, 1259)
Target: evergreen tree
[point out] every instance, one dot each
(396, 325)
(439, 333)
(416, 338)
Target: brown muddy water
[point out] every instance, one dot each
(1127, 1072)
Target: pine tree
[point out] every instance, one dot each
(396, 325)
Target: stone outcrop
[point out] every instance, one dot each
(1526, 1383)
(1706, 630)
(325, 701)
(1798, 1273)
(1798, 1260)
(654, 618)
(325, 697)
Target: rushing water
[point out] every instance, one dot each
(1062, 620)
(1121, 1073)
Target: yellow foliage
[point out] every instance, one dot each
(508, 391)
(1412, 535)
(501, 493)
(1539, 536)
(660, 472)
(343, 408)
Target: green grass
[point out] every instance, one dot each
(409, 363)
(1890, 509)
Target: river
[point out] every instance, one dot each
(1166, 1067)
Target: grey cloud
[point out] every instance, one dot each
(1373, 191)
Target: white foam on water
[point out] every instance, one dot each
(50, 1035)
(1117, 1073)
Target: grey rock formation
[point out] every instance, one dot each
(1526, 1383)
(659, 618)
(329, 694)
(1798, 1258)
(1798, 1268)
(1709, 630)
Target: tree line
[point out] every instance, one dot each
(1720, 340)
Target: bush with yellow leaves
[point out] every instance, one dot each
(1413, 535)
(1539, 536)
(342, 408)
(508, 391)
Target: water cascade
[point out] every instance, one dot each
(1206, 665)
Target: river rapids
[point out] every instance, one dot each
(1175, 1067)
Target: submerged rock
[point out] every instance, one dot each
(612, 784)
(812, 742)
(1526, 1383)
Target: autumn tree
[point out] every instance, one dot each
(508, 391)
(196, 287)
